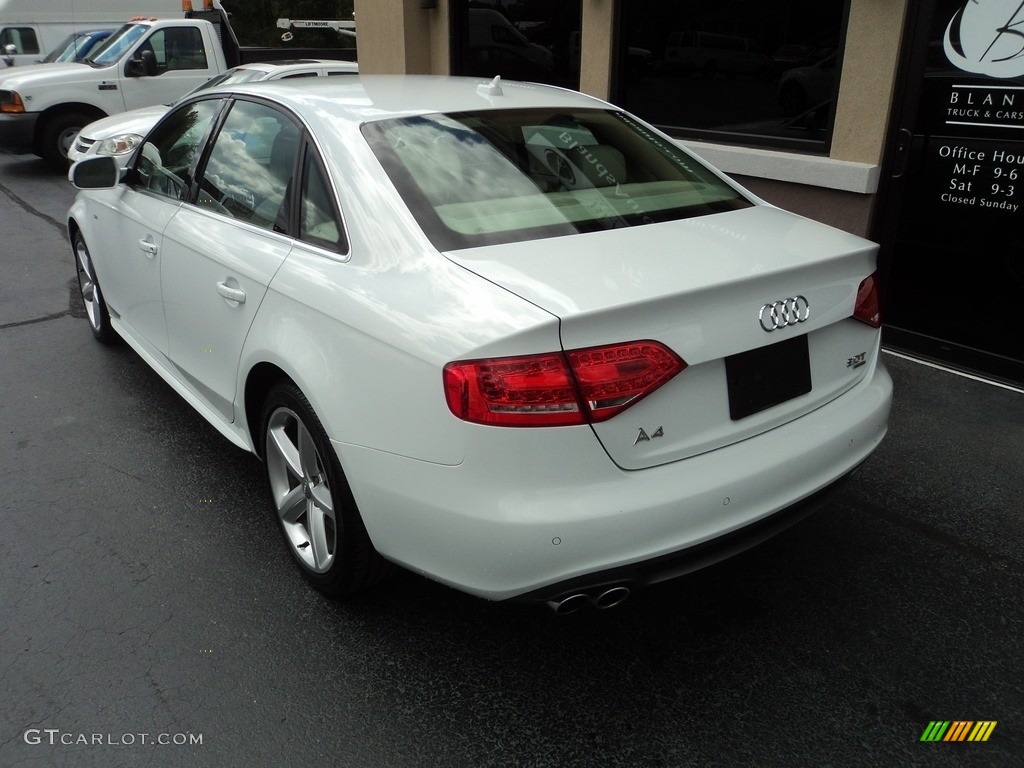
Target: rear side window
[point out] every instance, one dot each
(319, 223)
(510, 175)
(249, 172)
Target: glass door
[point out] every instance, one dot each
(951, 209)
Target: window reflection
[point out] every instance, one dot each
(250, 168)
(749, 72)
(318, 223)
(504, 176)
(533, 40)
(165, 160)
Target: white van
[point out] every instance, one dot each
(29, 29)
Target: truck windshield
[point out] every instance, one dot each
(116, 45)
(60, 51)
(76, 46)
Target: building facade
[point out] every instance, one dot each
(898, 120)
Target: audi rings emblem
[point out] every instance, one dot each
(780, 314)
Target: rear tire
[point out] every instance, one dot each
(312, 500)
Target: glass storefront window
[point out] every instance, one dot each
(760, 72)
(535, 40)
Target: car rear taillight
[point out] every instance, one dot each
(558, 389)
(868, 309)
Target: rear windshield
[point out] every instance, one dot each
(479, 178)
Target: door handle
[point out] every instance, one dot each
(904, 140)
(148, 247)
(231, 294)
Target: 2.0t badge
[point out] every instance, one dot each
(779, 314)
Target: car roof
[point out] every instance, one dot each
(366, 98)
(277, 66)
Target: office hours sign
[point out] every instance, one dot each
(974, 111)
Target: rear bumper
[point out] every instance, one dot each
(17, 131)
(693, 558)
(535, 516)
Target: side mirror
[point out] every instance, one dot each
(95, 173)
(9, 50)
(143, 65)
(148, 62)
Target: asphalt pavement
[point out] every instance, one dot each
(146, 595)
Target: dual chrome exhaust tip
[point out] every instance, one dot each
(610, 597)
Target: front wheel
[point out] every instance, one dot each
(58, 135)
(92, 297)
(314, 505)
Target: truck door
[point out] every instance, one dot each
(182, 63)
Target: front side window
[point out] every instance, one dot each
(22, 38)
(479, 178)
(166, 160)
(176, 48)
(249, 173)
(180, 48)
(752, 73)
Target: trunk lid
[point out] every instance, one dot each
(698, 286)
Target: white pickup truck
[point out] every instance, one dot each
(146, 62)
(32, 29)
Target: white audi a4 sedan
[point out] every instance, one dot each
(503, 335)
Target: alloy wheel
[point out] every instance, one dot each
(301, 493)
(91, 295)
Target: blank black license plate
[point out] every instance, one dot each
(764, 377)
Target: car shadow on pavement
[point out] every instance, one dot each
(30, 166)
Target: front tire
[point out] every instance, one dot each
(312, 500)
(58, 135)
(92, 297)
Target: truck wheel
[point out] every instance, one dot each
(57, 135)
